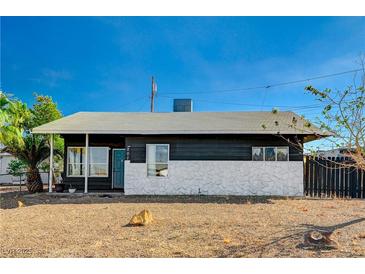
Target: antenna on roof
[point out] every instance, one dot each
(153, 93)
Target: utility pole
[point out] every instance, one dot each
(153, 93)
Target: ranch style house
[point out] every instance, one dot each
(184, 152)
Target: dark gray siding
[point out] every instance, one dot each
(182, 147)
(94, 183)
(207, 147)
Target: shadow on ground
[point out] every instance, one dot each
(10, 200)
(295, 234)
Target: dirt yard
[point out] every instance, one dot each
(93, 226)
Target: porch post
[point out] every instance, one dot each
(50, 177)
(86, 161)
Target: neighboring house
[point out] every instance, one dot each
(212, 153)
(5, 159)
(5, 177)
(336, 154)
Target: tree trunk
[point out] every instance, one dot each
(34, 181)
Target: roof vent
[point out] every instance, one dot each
(183, 105)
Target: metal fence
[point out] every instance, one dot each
(328, 178)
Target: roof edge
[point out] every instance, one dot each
(154, 132)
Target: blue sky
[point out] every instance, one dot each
(105, 63)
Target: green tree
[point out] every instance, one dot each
(343, 115)
(44, 111)
(16, 167)
(16, 136)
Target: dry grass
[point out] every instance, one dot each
(201, 227)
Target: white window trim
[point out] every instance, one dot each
(276, 153)
(167, 163)
(68, 163)
(90, 176)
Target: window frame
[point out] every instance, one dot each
(264, 153)
(286, 147)
(167, 163)
(83, 153)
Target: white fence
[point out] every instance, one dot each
(6, 179)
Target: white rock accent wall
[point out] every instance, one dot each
(217, 178)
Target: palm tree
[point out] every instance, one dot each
(34, 151)
(15, 135)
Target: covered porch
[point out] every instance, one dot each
(93, 163)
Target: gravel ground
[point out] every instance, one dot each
(92, 226)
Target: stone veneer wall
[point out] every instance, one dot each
(217, 178)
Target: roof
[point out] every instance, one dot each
(180, 123)
(3, 154)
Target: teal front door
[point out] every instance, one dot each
(118, 168)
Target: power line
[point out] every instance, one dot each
(253, 88)
(266, 86)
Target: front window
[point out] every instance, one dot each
(257, 153)
(282, 153)
(98, 161)
(157, 160)
(75, 161)
(270, 154)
